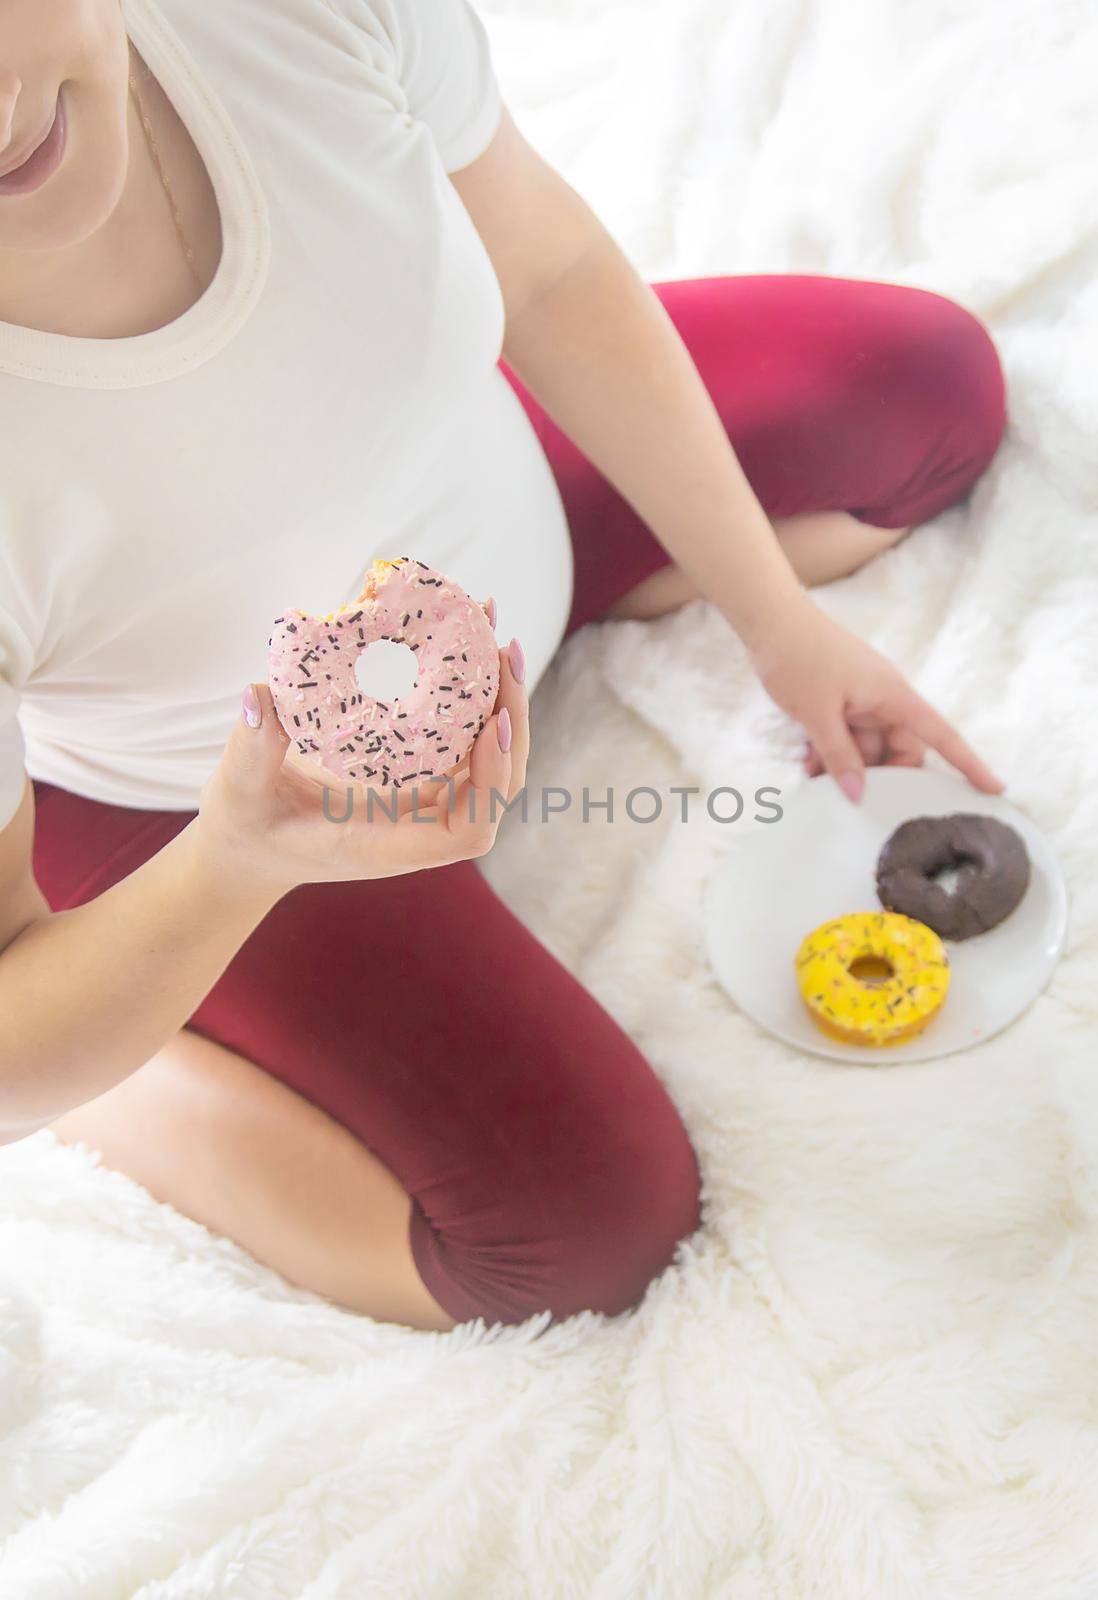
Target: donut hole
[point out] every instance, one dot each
(871, 969)
(386, 669)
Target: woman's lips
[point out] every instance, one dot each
(43, 160)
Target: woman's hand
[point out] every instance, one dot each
(856, 707)
(262, 818)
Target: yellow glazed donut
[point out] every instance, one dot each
(872, 978)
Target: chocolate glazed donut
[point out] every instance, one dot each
(990, 860)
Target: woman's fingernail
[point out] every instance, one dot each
(852, 784)
(490, 611)
(517, 661)
(503, 730)
(253, 711)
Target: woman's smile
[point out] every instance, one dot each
(32, 167)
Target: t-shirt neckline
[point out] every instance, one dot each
(207, 325)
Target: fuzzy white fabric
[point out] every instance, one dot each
(873, 1373)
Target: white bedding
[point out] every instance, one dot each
(874, 1372)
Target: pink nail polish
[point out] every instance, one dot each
(490, 611)
(852, 784)
(517, 660)
(253, 711)
(503, 730)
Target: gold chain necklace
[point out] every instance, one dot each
(154, 154)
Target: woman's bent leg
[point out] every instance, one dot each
(546, 1166)
(837, 395)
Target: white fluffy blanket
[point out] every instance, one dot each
(874, 1373)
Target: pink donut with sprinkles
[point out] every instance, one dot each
(424, 733)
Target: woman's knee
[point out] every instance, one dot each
(954, 375)
(597, 1216)
(643, 1199)
(945, 386)
(621, 1221)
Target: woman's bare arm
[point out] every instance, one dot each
(594, 345)
(89, 995)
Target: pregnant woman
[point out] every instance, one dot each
(282, 289)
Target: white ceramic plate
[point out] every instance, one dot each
(819, 861)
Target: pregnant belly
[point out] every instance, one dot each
(142, 720)
(488, 513)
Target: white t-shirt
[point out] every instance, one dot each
(333, 397)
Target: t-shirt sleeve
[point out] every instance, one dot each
(444, 63)
(433, 61)
(12, 751)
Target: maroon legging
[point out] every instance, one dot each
(547, 1166)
